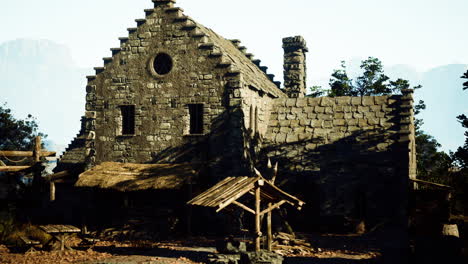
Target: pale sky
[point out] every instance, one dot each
(420, 33)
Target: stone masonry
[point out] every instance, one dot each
(175, 91)
(351, 149)
(295, 49)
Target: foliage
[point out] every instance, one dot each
(17, 134)
(465, 84)
(432, 164)
(460, 158)
(373, 81)
(316, 91)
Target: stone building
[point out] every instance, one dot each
(177, 92)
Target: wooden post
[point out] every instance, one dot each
(37, 149)
(52, 191)
(251, 120)
(256, 120)
(258, 232)
(269, 234)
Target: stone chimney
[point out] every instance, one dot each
(168, 3)
(295, 49)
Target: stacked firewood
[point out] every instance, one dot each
(287, 244)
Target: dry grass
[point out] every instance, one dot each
(133, 177)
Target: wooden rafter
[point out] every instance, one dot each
(14, 153)
(13, 168)
(231, 189)
(245, 207)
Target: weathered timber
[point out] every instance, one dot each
(14, 153)
(272, 207)
(58, 175)
(13, 168)
(258, 233)
(241, 205)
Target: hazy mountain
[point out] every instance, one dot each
(442, 93)
(39, 77)
(444, 98)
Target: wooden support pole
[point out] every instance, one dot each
(258, 232)
(256, 120)
(52, 191)
(37, 149)
(15, 153)
(241, 205)
(251, 120)
(13, 168)
(269, 234)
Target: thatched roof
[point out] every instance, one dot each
(136, 177)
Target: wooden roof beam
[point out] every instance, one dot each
(14, 153)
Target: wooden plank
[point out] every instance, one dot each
(284, 195)
(241, 205)
(241, 189)
(197, 198)
(37, 149)
(57, 176)
(235, 197)
(258, 233)
(52, 191)
(275, 173)
(269, 233)
(432, 183)
(272, 207)
(229, 191)
(219, 193)
(13, 168)
(14, 153)
(215, 193)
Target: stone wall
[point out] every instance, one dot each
(161, 100)
(295, 49)
(206, 69)
(348, 156)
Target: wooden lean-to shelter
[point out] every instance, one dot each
(126, 177)
(231, 189)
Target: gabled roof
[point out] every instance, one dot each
(135, 177)
(251, 73)
(230, 189)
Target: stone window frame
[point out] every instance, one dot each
(150, 64)
(120, 120)
(186, 119)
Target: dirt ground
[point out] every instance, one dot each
(192, 251)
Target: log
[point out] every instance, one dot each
(432, 183)
(258, 233)
(14, 153)
(37, 149)
(241, 205)
(52, 191)
(13, 168)
(269, 234)
(57, 176)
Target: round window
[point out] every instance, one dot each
(162, 64)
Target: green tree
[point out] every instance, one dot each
(373, 81)
(17, 134)
(465, 84)
(432, 164)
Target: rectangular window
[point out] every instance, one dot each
(196, 118)
(128, 119)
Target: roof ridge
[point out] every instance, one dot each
(250, 56)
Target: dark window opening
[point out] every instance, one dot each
(196, 118)
(162, 64)
(128, 119)
(173, 103)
